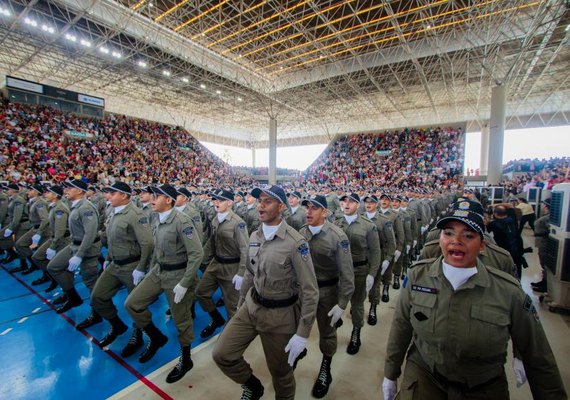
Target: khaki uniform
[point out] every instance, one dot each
(130, 247)
(330, 252)
(38, 215)
(541, 232)
(176, 259)
(226, 251)
(58, 233)
(459, 338)
(412, 235)
(3, 209)
(385, 228)
(83, 225)
(297, 219)
(252, 219)
(395, 266)
(333, 206)
(280, 274)
(16, 221)
(191, 210)
(240, 209)
(366, 258)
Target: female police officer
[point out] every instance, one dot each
(459, 316)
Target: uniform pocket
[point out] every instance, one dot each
(488, 330)
(422, 313)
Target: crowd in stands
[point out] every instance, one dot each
(34, 148)
(426, 158)
(265, 171)
(536, 173)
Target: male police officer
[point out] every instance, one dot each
(16, 225)
(226, 252)
(330, 252)
(130, 245)
(251, 215)
(297, 217)
(386, 210)
(278, 300)
(175, 262)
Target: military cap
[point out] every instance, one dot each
(184, 192)
(371, 198)
(274, 191)
(77, 184)
(294, 193)
(223, 194)
(467, 211)
(55, 189)
(165, 190)
(352, 196)
(120, 187)
(316, 200)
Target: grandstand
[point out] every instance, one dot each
(127, 90)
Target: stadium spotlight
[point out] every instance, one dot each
(116, 54)
(5, 12)
(48, 29)
(104, 50)
(166, 73)
(85, 43)
(70, 37)
(202, 86)
(142, 64)
(31, 22)
(185, 80)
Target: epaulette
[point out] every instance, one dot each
(427, 261)
(504, 275)
(498, 249)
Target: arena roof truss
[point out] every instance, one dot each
(222, 68)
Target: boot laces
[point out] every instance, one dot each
(323, 373)
(247, 393)
(354, 336)
(134, 339)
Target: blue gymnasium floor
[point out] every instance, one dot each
(44, 357)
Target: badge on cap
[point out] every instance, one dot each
(464, 205)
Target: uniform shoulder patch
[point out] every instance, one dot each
(143, 221)
(40, 205)
(304, 251)
(242, 226)
(345, 245)
(89, 215)
(389, 224)
(59, 214)
(188, 232)
(196, 218)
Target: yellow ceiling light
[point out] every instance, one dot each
(259, 23)
(237, 46)
(419, 31)
(228, 20)
(164, 14)
(138, 5)
(197, 17)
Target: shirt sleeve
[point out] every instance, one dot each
(308, 289)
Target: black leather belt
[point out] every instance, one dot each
(78, 242)
(328, 282)
(269, 303)
(126, 261)
(360, 263)
(226, 260)
(173, 267)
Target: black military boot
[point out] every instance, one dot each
(92, 319)
(12, 255)
(324, 380)
(44, 279)
(372, 318)
(33, 267)
(156, 341)
(252, 389)
(23, 266)
(217, 321)
(73, 300)
(135, 343)
(184, 365)
(60, 299)
(52, 286)
(396, 284)
(118, 327)
(385, 295)
(354, 344)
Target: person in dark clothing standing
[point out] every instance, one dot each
(506, 234)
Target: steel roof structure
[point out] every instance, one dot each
(222, 68)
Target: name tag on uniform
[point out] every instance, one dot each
(254, 244)
(424, 289)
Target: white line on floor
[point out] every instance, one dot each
(5, 332)
(23, 320)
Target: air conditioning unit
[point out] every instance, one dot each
(496, 194)
(558, 259)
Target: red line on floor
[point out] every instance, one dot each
(111, 353)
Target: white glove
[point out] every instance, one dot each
(8, 233)
(423, 229)
(106, 264)
(179, 292)
(335, 313)
(36, 238)
(138, 277)
(431, 221)
(385, 265)
(74, 263)
(408, 247)
(295, 347)
(415, 244)
(397, 255)
(369, 282)
(50, 254)
(237, 281)
(520, 373)
(389, 389)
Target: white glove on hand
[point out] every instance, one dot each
(179, 292)
(369, 282)
(8, 233)
(414, 244)
(397, 255)
(106, 264)
(74, 263)
(295, 347)
(36, 238)
(237, 281)
(137, 276)
(335, 313)
(385, 265)
(50, 254)
(520, 373)
(408, 247)
(423, 230)
(389, 389)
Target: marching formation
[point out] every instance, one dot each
(283, 260)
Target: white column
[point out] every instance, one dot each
(496, 135)
(253, 156)
(272, 150)
(484, 160)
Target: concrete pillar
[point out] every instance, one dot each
(496, 135)
(253, 156)
(484, 160)
(272, 151)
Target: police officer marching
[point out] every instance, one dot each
(386, 210)
(330, 252)
(16, 225)
(297, 217)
